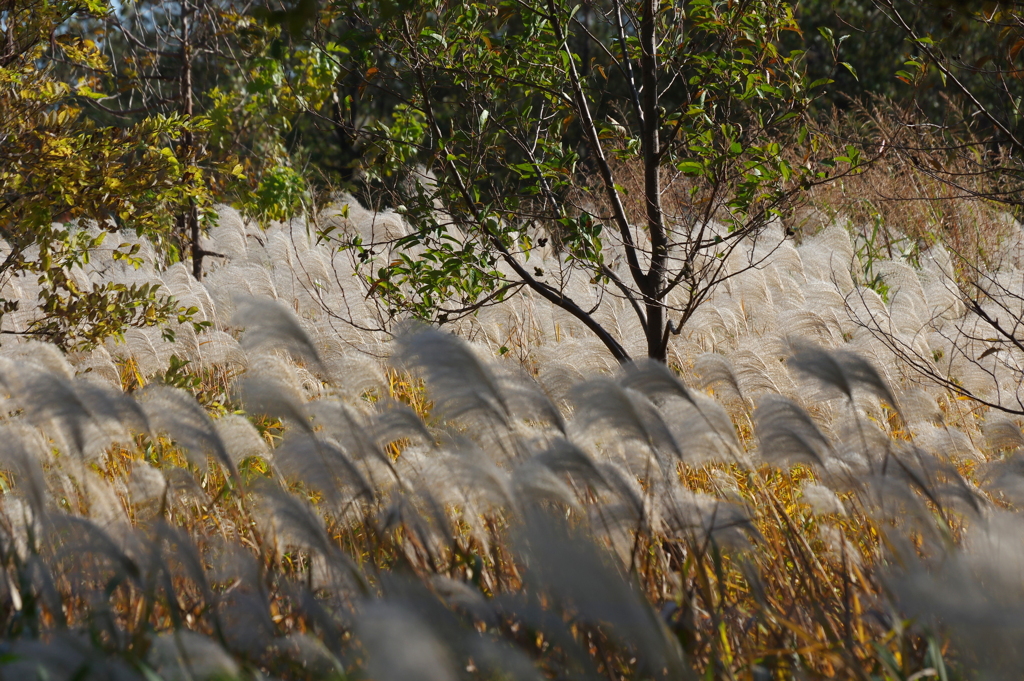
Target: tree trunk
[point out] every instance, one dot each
(188, 222)
(651, 286)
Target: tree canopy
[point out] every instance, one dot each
(628, 144)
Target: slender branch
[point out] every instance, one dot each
(547, 292)
(940, 64)
(634, 94)
(594, 141)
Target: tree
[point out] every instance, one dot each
(975, 345)
(644, 140)
(983, 73)
(58, 165)
(237, 78)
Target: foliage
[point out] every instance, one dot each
(252, 115)
(58, 165)
(527, 140)
(234, 77)
(980, 43)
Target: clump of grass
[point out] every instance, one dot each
(723, 568)
(450, 516)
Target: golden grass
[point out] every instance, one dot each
(787, 604)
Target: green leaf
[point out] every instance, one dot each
(690, 167)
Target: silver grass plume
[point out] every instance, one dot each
(702, 415)
(603, 407)
(464, 597)
(322, 466)
(703, 518)
(457, 382)
(327, 614)
(78, 539)
(469, 474)
(146, 485)
(241, 439)
(338, 421)
(527, 401)
(432, 602)
(787, 434)
(291, 521)
(577, 575)
(937, 480)
(974, 591)
(109, 405)
(183, 655)
(1005, 477)
(263, 395)
(655, 380)
(429, 525)
(16, 455)
(269, 324)
(245, 623)
(1002, 434)
(527, 607)
(563, 457)
(421, 655)
(626, 487)
(703, 430)
(41, 580)
(72, 404)
(535, 483)
(399, 422)
(173, 557)
(821, 499)
(229, 562)
(307, 655)
(715, 370)
(177, 413)
(64, 656)
(842, 370)
(920, 407)
(343, 427)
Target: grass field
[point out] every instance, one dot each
(295, 491)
